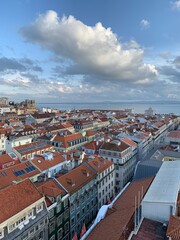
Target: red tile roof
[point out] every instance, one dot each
(100, 164)
(93, 145)
(118, 218)
(76, 178)
(51, 189)
(129, 142)
(7, 175)
(66, 139)
(174, 134)
(173, 229)
(42, 164)
(150, 230)
(16, 198)
(114, 147)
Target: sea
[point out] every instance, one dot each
(159, 107)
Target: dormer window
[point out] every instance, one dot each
(70, 181)
(85, 172)
(39, 208)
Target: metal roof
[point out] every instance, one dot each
(166, 184)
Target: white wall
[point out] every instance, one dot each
(158, 211)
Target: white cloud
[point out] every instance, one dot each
(144, 24)
(93, 50)
(176, 5)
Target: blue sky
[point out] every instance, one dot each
(98, 50)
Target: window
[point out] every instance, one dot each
(58, 208)
(30, 214)
(20, 221)
(12, 227)
(59, 220)
(25, 236)
(51, 227)
(65, 202)
(78, 215)
(41, 224)
(39, 208)
(72, 221)
(66, 227)
(66, 214)
(31, 231)
(72, 207)
(52, 238)
(51, 213)
(59, 234)
(83, 211)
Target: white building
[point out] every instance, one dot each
(10, 144)
(4, 109)
(121, 154)
(105, 179)
(2, 141)
(160, 201)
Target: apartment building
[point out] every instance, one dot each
(122, 156)
(57, 200)
(3, 140)
(81, 184)
(28, 151)
(63, 142)
(24, 215)
(105, 179)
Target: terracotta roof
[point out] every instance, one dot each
(17, 197)
(32, 147)
(10, 174)
(66, 139)
(114, 147)
(100, 164)
(91, 133)
(76, 178)
(93, 145)
(48, 202)
(129, 142)
(42, 164)
(117, 218)
(173, 229)
(51, 189)
(150, 230)
(5, 158)
(174, 134)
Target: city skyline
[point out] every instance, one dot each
(65, 51)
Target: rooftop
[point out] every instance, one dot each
(118, 217)
(165, 186)
(149, 230)
(17, 197)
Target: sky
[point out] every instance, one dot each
(90, 51)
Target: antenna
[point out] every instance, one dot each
(135, 213)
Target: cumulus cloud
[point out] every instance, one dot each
(93, 50)
(144, 24)
(176, 5)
